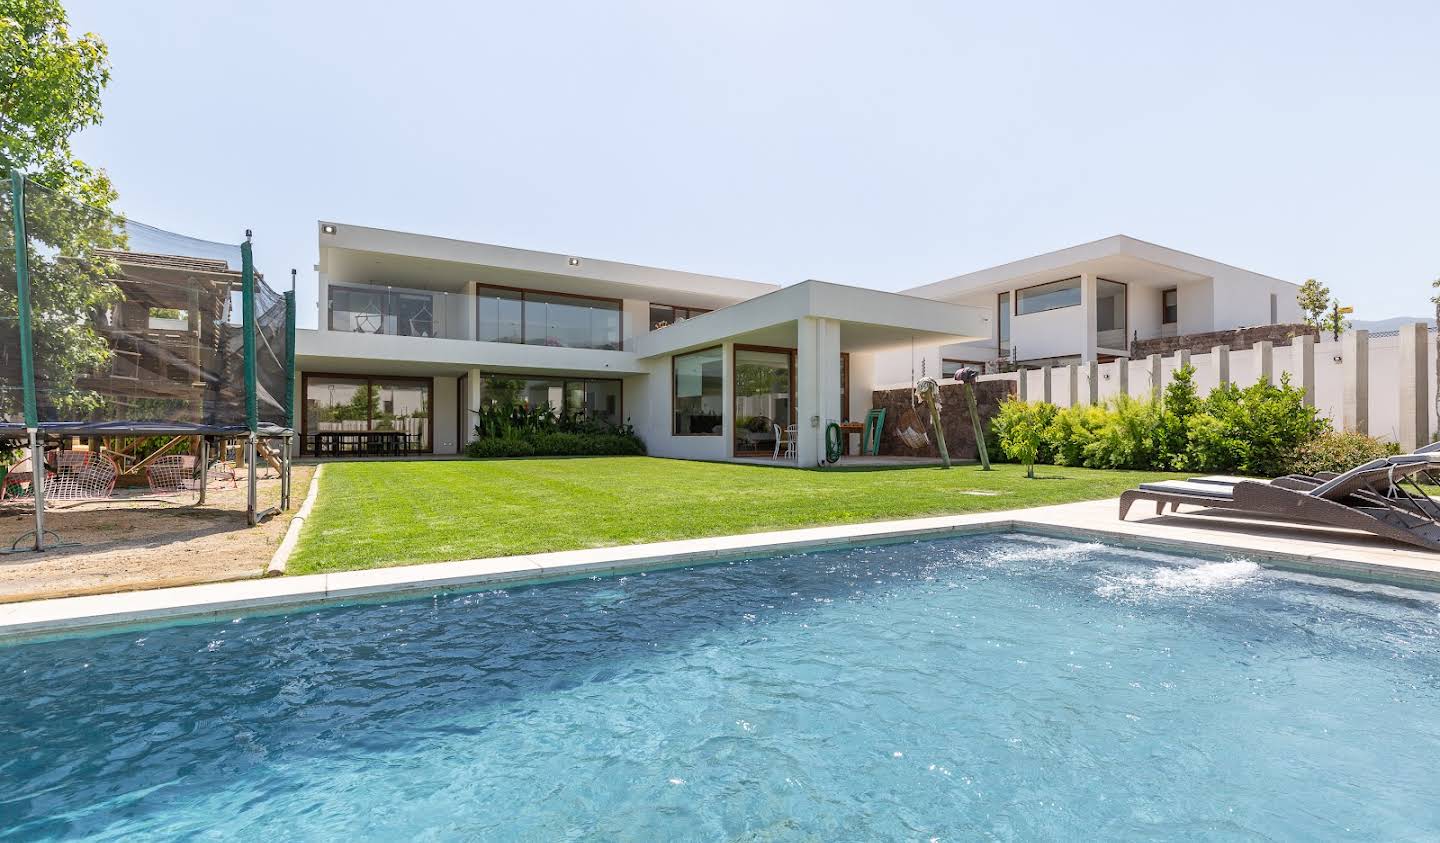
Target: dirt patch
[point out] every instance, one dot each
(146, 544)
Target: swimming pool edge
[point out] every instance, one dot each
(109, 612)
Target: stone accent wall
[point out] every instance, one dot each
(954, 417)
(1238, 339)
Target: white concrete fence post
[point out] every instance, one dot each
(1222, 364)
(1303, 347)
(1265, 351)
(1414, 386)
(1092, 377)
(1356, 358)
(1045, 379)
(1122, 375)
(1156, 374)
(1072, 384)
(1022, 384)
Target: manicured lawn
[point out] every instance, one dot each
(371, 515)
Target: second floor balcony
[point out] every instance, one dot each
(491, 314)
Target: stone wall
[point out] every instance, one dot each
(954, 417)
(1238, 339)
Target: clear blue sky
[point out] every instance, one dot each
(882, 144)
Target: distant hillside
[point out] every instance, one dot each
(1394, 323)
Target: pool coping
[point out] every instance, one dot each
(198, 602)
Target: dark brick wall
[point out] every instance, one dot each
(954, 417)
(1238, 339)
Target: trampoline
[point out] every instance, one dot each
(126, 349)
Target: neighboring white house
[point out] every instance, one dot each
(418, 333)
(1088, 302)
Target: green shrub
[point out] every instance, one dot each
(1339, 451)
(1261, 430)
(558, 445)
(1072, 430)
(1020, 427)
(1130, 436)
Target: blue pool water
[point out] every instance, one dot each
(1001, 687)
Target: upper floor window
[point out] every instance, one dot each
(1002, 323)
(664, 314)
(1169, 306)
(1051, 296)
(373, 310)
(1110, 305)
(533, 317)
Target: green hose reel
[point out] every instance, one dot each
(834, 443)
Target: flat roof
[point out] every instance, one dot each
(450, 260)
(1116, 250)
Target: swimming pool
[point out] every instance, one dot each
(1004, 686)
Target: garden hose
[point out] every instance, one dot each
(834, 443)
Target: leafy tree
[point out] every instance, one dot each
(50, 86)
(1314, 299)
(1334, 320)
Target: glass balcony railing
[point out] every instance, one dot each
(398, 311)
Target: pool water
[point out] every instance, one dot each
(1001, 687)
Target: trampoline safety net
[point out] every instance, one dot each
(132, 328)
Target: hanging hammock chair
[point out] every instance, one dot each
(912, 431)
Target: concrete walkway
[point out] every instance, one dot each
(1304, 548)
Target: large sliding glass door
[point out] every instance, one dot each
(764, 398)
(359, 415)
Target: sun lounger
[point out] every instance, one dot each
(1370, 497)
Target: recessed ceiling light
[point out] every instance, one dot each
(327, 228)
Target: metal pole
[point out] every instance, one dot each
(204, 467)
(247, 287)
(285, 448)
(37, 484)
(252, 511)
(27, 352)
(290, 354)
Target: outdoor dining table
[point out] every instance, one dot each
(383, 443)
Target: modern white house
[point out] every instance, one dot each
(416, 333)
(1090, 302)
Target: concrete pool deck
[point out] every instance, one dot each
(1306, 548)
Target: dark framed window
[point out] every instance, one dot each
(534, 317)
(360, 404)
(698, 392)
(1169, 306)
(593, 398)
(1051, 296)
(665, 314)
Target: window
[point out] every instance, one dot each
(764, 397)
(168, 319)
(1051, 296)
(698, 383)
(594, 399)
(1169, 306)
(1274, 309)
(664, 314)
(949, 366)
(553, 319)
(367, 404)
(1110, 305)
(499, 315)
(382, 311)
(1002, 323)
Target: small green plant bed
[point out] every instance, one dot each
(372, 515)
(510, 429)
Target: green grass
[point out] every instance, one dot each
(371, 515)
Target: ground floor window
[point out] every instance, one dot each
(764, 398)
(588, 397)
(698, 382)
(359, 415)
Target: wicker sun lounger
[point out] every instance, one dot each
(1372, 498)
